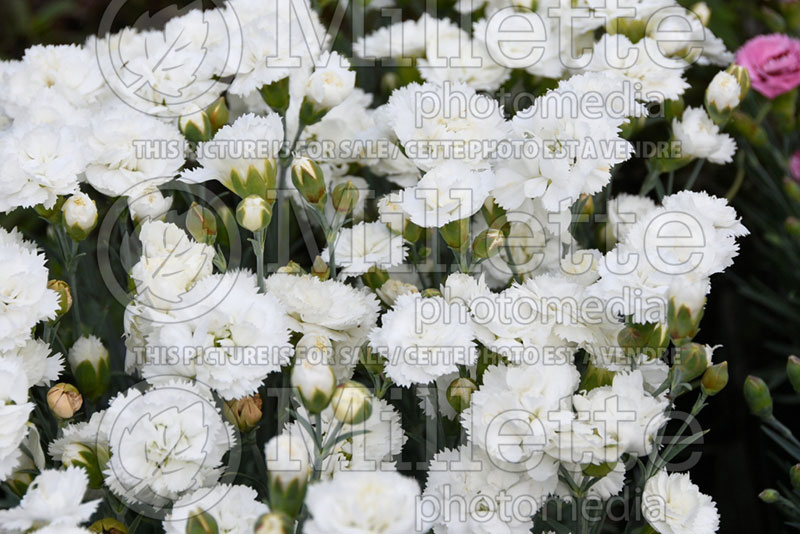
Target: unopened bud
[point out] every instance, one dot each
(201, 522)
(793, 372)
(345, 197)
(723, 95)
(218, 113)
(288, 470)
(276, 95)
(769, 496)
(89, 362)
(64, 400)
(80, 216)
(742, 78)
(351, 403)
(456, 234)
(459, 393)
(64, 296)
(152, 205)
(314, 382)
(314, 347)
(201, 224)
(757, 396)
(273, 523)
(108, 525)
(196, 127)
(794, 476)
(493, 214)
(309, 180)
(374, 278)
(792, 226)
(391, 290)
(292, 268)
(683, 321)
(715, 379)
(320, 269)
(702, 11)
(244, 413)
(253, 213)
(488, 243)
(691, 361)
(431, 292)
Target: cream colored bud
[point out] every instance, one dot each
(315, 383)
(351, 403)
(253, 213)
(80, 215)
(64, 400)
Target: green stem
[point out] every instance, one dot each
(695, 173)
(258, 241)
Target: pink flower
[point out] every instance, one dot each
(794, 166)
(773, 62)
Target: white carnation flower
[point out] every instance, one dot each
(40, 365)
(24, 294)
(53, 499)
(332, 82)
(724, 91)
(487, 487)
(435, 124)
(625, 210)
(448, 192)
(38, 163)
(158, 450)
(672, 504)
(235, 509)
(363, 502)
(699, 137)
(423, 339)
(228, 337)
(366, 245)
(132, 152)
(250, 142)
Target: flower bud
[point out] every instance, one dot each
(201, 522)
(218, 113)
(320, 269)
(683, 321)
(374, 278)
(702, 11)
(288, 470)
(331, 84)
(276, 95)
(792, 226)
(108, 525)
(86, 457)
(88, 360)
(64, 296)
(391, 290)
(259, 181)
(309, 180)
(459, 393)
(431, 292)
(244, 413)
(723, 95)
(747, 127)
(794, 476)
(152, 205)
(345, 197)
(351, 403)
(253, 213)
(793, 372)
(742, 78)
(456, 234)
(493, 214)
(792, 188)
(80, 216)
(488, 243)
(196, 127)
(64, 400)
(757, 396)
(273, 523)
(769, 496)
(292, 268)
(691, 361)
(314, 382)
(715, 379)
(316, 348)
(201, 224)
